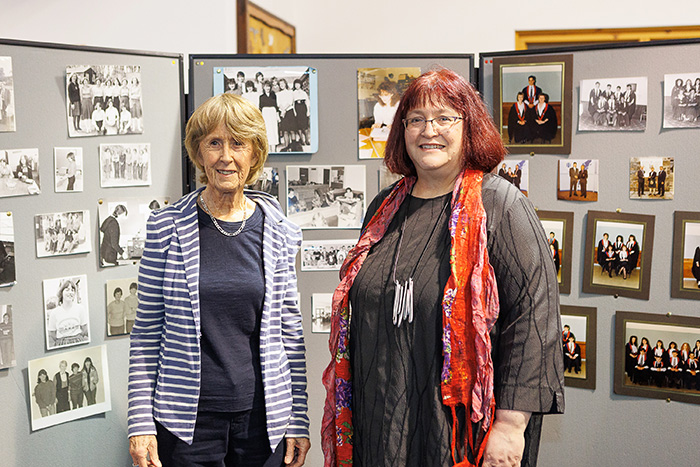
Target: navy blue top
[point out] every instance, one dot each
(231, 294)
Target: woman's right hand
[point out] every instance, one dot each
(140, 447)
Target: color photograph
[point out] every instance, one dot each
(66, 311)
(517, 173)
(579, 344)
(321, 304)
(121, 303)
(125, 165)
(685, 273)
(62, 233)
(682, 100)
(651, 177)
(613, 104)
(7, 96)
(68, 169)
(578, 180)
(19, 172)
(7, 250)
(559, 227)
(379, 91)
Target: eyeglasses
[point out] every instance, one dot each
(441, 123)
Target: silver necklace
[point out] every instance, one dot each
(216, 224)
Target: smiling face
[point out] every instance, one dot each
(226, 161)
(435, 154)
(68, 294)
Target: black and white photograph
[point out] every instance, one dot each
(68, 169)
(7, 338)
(386, 178)
(7, 96)
(618, 254)
(651, 177)
(7, 250)
(122, 233)
(532, 97)
(62, 233)
(657, 356)
(682, 100)
(66, 311)
(103, 100)
(19, 172)
(125, 165)
(68, 386)
(517, 173)
(613, 104)
(269, 182)
(324, 255)
(321, 306)
(558, 229)
(324, 196)
(685, 274)
(379, 91)
(578, 179)
(121, 303)
(579, 343)
(287, 98)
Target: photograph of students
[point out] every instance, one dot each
(62, 233)
(578, 180)
(620, 107)
(554, 231)
(652, 178)
(66, 312)
(614, 264)
(520, 121)
(45, 394)
(531, 92)
(545, 122)
(572, 355)
(267, 103)
(116, 314)
(125, 165)
(61, 380)
(631, 354)
(75, 386)
(7, 341)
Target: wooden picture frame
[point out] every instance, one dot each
(510, 75)
(560, 222)
(582, 321)
(261, 32)
(686, 230)
(633, 381)
(639, 227)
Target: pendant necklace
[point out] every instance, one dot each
(216, 224)
(403, 292)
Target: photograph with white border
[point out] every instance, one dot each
(682, 100)
(7, 96)
(68, 169)
(7, 250)
(19, 172)
(651, 177)
(7, 338)
(66, 311)
(62, 233)
(578, 179)
(324, 255)
(268, 182)
(321, 310)
(613, 104)
(121, 303)
(517, 173)
(125, 165)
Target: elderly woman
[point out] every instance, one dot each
(454, 333)
(217, 369)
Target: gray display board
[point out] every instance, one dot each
(621, 430)
(39, 73)
(338, 145)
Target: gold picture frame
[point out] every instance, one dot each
(261, 32)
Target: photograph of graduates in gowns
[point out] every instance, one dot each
(554, 230)
(578, 339)
(7, 96)
(651, 178)
(686, 255)
(379, 91)
(7, 249)
(517, 173)
(578, 180)
(682, 100)
(658, 355)
(613, 104)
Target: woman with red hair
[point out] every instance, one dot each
(453, 350)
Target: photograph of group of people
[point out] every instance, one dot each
(613, 104)
(378, 93)
(19, 172)
(123, 228)
(682, 100)
(573, 338)
(68, 169)
(7, 339)
(7, 96)
(517, 173)
(66, 311)
(122, 301)
(691, 256)
(283, 95)
(617, 254)
(651, 177)
(321, 310)
(7, 249)
(324, 255)
(103, 100)
(125, 165)
(62, 233)
(578, 180)
(268, 182)
(68, 386)
(324, 196)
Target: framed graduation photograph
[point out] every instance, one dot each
(579, 342)
(657, 356)
(618, 252)
(651, 177)
(682, 100)
(613, 104)
(685, 272)
(532, 102)
(559, 229)
(578, 179)
(516, 172)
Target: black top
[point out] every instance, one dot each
(231, 294)
(398, 414)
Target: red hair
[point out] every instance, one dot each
(482, 147)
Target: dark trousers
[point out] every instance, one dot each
(222, 439)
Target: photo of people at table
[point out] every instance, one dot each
(7, 95)
(19, 172)
(691, 256)
(617, 254)
(651, 177)
(682, 100)
(613, 104)
(662, 356)
(578, 180)
(378, 93)
(531, 104)
(573, 340)
(517, 173)
(7, 250)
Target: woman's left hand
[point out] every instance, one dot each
(506, 440)
(296, 451)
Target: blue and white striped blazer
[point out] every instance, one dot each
(164, 361)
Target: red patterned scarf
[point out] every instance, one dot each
(470, 308)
